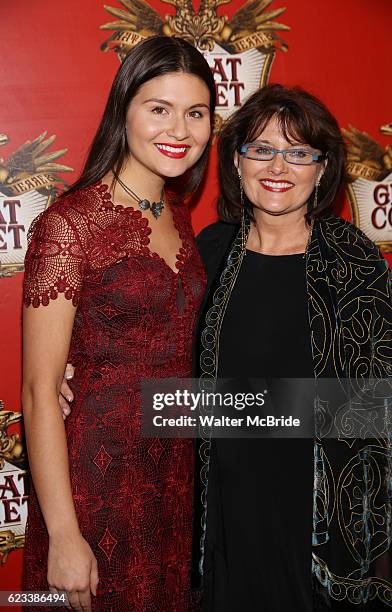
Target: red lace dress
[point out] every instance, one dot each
(135, 319)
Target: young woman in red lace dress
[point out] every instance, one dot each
(113, 283)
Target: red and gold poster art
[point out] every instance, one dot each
(370, 192)
(28, 180)
(56, 83)
(239, 50)
(13, 477)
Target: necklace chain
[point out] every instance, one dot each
(309, 237)
(144, 204)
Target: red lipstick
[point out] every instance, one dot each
(276, 186)
(176, 151)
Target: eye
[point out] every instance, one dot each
(196, 114)
(261, 150)
(159, 110)
(299, 153)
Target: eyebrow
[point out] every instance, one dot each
(160, 101)
(299, 144)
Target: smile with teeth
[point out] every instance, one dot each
(278, 186)
(176, 151)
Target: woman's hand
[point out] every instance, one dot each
(73, 568)
(66, 394)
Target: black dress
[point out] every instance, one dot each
(259, 521)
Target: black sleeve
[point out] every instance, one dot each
(213, 242)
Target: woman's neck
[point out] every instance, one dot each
(279, 235)
(141, 180)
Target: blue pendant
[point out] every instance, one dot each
(144, 204)
(156, 209)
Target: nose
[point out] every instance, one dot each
(277, 164)
(178, 128)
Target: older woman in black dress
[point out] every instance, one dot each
(293, 292)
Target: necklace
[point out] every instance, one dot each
(155, 207)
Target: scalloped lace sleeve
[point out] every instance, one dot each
(54, 260)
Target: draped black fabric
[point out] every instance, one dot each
(259, 521)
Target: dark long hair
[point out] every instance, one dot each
(150, 58)
(300, 116)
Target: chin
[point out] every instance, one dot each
(173, 169)
(274, 210)
(276, 213)
(279, 208)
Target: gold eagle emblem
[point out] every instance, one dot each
(30, 160)
(202, 29)
(366, 158)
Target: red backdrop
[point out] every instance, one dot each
(55, 78)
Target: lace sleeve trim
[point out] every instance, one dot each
(54, 261)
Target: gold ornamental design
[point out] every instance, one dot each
(29, 181)
(240, 50)
(252, 26)
(369, 169)
(366, 157)
(11, 447)
(13, 499)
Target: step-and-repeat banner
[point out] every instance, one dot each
(57, 61)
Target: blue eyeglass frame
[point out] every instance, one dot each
(242, 150)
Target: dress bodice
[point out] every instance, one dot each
(133, 311)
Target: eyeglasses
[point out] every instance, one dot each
(299, 155)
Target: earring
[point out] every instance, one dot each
(243, 226)
(316, 195)
(243, 231)
(241, 191)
